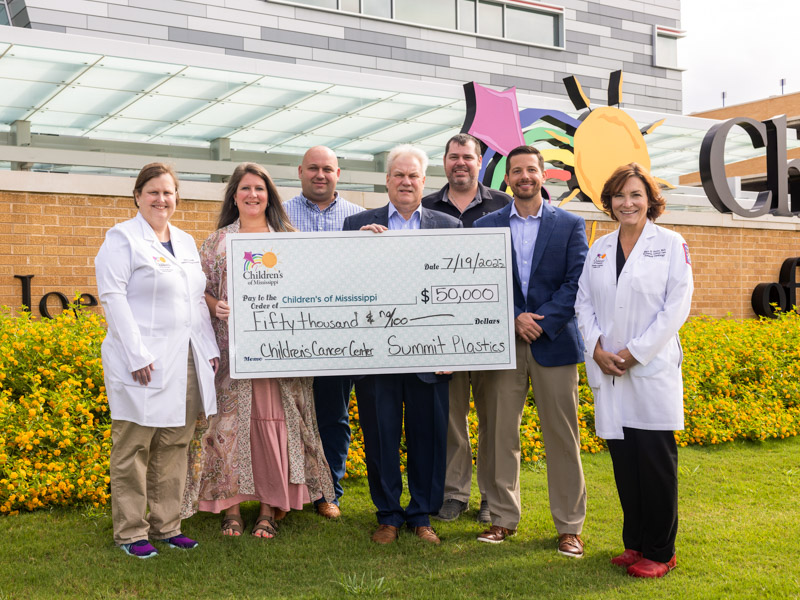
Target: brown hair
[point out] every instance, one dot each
(617, 181)
(463, 139)
(524, 150)
(276, 215)
(152, 171)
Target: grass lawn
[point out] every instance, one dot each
(739, 538)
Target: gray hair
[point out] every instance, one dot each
(403, 149)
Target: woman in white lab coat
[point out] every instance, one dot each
(634, 294)
(159, 359)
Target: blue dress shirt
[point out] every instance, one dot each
(523, 239)
(397, 222)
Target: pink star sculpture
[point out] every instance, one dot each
(496, 121)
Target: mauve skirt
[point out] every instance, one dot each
(269, 455)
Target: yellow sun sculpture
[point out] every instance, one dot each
(606, 139)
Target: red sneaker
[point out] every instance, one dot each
(651, 568)
(627, 558)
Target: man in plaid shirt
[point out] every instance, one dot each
(321, 208)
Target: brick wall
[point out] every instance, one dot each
(728, 263)
(56, 236)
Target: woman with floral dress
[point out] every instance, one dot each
(264, 442)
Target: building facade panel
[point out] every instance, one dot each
(174, 6)
(142, 15)
(618, 32)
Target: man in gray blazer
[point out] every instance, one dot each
(419, 399)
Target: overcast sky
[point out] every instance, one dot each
(742, 47)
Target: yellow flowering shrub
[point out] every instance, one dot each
(55, 432)
(741, 381)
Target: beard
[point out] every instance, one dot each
(527, 194)
(461, 180)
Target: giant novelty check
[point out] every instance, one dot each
(357, 302)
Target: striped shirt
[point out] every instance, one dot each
(306, 216)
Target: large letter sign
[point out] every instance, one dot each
(768, 298)
(775, 200)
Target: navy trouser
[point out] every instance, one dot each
(384, 403)
(646, 472)
(332, 400)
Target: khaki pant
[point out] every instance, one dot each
(503, 393)
(148, 468)
(458, 477)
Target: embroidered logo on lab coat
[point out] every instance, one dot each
(686, 254)
(162, 264)
(598, 260)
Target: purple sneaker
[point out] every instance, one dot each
(140, 549)
(180, 541)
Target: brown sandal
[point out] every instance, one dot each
(234, 523)
(266, 524)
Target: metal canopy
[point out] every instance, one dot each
(93, 90)
(107, 97)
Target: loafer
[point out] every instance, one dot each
(451, 510)
(385, 534)
(140, 549)
(484, 515)
(328, 510)
(495, 534)
(181, 541)
(651, 568)
(570, 544)
(426, 534)
(627, 558)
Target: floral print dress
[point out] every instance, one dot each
(275, 418)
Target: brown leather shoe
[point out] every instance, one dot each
(385, 534)
(426, 534)
(495, 534)
(329, 510)
(570, 544)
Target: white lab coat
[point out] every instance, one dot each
(154, 306)
(642, 312)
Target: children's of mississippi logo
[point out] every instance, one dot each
(254, 261)
(259, 268)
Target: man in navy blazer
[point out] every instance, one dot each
(384, 400)
(549, 249)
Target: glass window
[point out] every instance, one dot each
(530, 26)
(4, 20)
(377, 8)
(666, 49)
(490, 19)
(438, 14)
(518, 20)
(466, 15)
